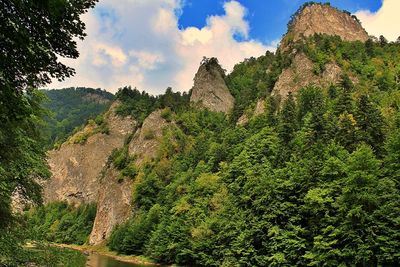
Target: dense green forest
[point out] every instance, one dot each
(61, 223)
(70, 108)
(312, 181)
(140, 104)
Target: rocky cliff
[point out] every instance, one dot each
(114, 203)
(324, 19)
(315, 19)
(300, 74)
(258, 110)
(75, 167)
(210, 90)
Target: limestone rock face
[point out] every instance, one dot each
(324, 19)
(258, 110)
(145, 143)
(115, 198)
(75, 168)
(315, 19)
(260, 107)
(113, 205)
(210, 90)
(19, 202)
(300, 74)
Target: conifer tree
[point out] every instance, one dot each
(370, 123)
(288, 119)
(345, 102)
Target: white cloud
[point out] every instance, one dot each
(384, 22)
(147, 60)
(139, 43)
(104, 51)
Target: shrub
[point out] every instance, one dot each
(80, 138)
(99, 120)
(104, 129)
(149, 134)
(130, 170)
(119, 157)
(166, 114)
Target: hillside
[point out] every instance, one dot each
(292, 159)
(71, 108)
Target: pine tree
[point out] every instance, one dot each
(271, 110)
(346, 131)
(369, 47)
(383, 41)
(392, 159)
(345, 102)
(370, 123)
(357, 203)
(288, 119)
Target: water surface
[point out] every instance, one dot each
(97, 260)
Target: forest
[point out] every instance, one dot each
(312, 181)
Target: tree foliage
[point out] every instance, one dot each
(311, 181)
(33, 37)
(70, 108)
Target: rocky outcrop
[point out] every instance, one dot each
(19, 202)
(114, 205)
(146, 142)
(324, 19)
(258, 110)
(315, 19)
(301, 74)
(115, 196)
(90, 97)
(210, 90)
(75, 168)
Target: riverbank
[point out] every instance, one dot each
(102, 249)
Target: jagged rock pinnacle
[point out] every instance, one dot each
(210, 90)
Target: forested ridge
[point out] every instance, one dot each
(70, 108)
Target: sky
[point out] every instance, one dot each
(155, 44)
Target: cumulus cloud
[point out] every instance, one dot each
(139, 43)
(383, 22)
(104, 53)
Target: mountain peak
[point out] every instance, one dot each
(210, 90)
(316, 18)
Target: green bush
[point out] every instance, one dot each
(166, 114)
(149, 134)
(99, 120)
(130, 170)
(81, 138)
(120, 157)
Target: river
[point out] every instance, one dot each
(97, 260)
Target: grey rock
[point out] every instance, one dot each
(210, 90)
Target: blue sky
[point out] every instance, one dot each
(154, 44)
(267, 18)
